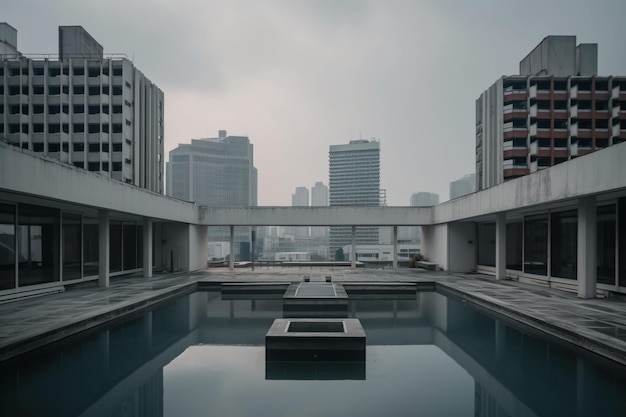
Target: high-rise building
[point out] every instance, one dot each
(463, 186)
(215, 172)
(319, 198)
(354, 180)
(556, 109)
(82, 107)
(424, 199)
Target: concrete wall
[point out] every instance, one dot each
(198, 244)
(587, 59)
(175, 239)
(75, 41)
(434, 245)
(461, 247)
(8, 39)
(555, 55)
(22, 172)
(316, 216)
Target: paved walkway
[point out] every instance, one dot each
(598, 325)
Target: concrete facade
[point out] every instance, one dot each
(85, 109)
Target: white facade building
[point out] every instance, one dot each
(83, 108)
(354, 180)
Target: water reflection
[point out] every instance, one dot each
(201, 355)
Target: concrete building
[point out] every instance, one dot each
(558, 108)
(420, 199)
(82, 107)
(215, 172)
(354, 180)
(382, 253)
(463, 186)
(300, 198)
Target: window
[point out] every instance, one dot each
(38, 147)
(543, 124)
(24, 127)
(79, 89)
(54, 90)
(105, 128)
(54, 128)
(79, 70)
(78, 128)
(78, 147)
(66, 109)
(14, 128)
(94, 128)
(94, 147)
(94, 110)
(105, 147)
(117, 70)
(38, 108)
(65, 128)
(536, 244)
(94, 72)
(38, 71)
(79, 108)
(560, 104)
(117, 109)
(105, 108)
(54, 147)
(54, 72)
(117, 128)
(602, 124)
(564, 227)
(584, 124)
(602, 85)
(79, 164)
(2, 108)
(14, 90)
(94, 91)
(105, 90)
(602, 105)
(65, 89)
(117, 147)
(117, 166)
(105, 70)
(54, 109)
(93, 166)
(66, 147)
(117, 90)
(14, 109)
(105, 166)
(38, 128)
(560, 85)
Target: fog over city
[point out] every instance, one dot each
(298, 76)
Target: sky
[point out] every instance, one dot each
(297, 76)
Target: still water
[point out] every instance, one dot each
(201, 355)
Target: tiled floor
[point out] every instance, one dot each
(598, 324)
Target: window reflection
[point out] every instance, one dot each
(536, 244)
(38, 245)
(7, 246)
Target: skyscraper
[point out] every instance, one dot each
(556, 109)
(300, 198)
(463, 186)
(94, 111)
(354, 180)
(424, 199)
(215, 172)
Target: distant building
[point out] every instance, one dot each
(84, 108)
(463, 186)
(300, 198)
(381, 253)
(424, 199)
(557, 108)
(215, 172)
(319, 198)
(354, 180)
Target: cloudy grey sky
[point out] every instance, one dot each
(299, 75)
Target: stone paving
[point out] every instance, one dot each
(598, 325)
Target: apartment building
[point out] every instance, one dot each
(558, 108)
(82, 107)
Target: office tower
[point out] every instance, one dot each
(215, 172)
(463, 186)
(354, 180)
(319, 198)
(424, 199)
(82, 107)
(557, 108)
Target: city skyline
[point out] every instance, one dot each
(294, 65)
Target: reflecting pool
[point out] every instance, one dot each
(202, 355)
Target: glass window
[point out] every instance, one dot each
(536, 244)
(605, 255)
(115, 246)
(90, 246)
(38, 245)
(7, 246)
(71, 246)
(514, 246)
(563, 244)
(129, 244)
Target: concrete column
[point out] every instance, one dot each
(103, 247)
(147, 247)
(586, 263)
(395, 247)
(353, 253)
(501, 245)
(231, 262)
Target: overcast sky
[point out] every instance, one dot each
(298, 76)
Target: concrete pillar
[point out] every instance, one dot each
(231, 262)
(103, 247)
(147, 247)
(586, 263)
(501, 245)
(353, 252)
(395, 247)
